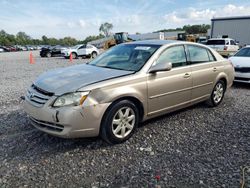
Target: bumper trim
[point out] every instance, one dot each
(47, 125)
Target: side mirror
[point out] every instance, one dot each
(166, 66)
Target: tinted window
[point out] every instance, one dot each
(176, 55)
(83, 46)
(198, 54)
(244, 52)
(216, 42)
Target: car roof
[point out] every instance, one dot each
(155, 42)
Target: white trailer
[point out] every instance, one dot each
(147, 36)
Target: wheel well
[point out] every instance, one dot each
(137, 103)
(94, 52)
(225, 81)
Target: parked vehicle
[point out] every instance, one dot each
(127, 84)
(241, 62)
(1, 49)
(224, 46)
(81, 50)
(51, 51)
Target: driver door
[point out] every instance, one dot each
(170, 90)
(81, 50)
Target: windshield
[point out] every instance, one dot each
(130, 57)
(244, 52)
(216, 42)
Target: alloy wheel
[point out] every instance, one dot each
(123, 122)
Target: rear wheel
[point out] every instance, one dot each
(217, 94)
(119, 122)
(48, 54)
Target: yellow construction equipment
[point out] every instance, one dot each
(118, 38)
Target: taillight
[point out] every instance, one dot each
(225, 47)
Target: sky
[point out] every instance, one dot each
(81, 18)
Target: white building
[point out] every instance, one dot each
(237, 28)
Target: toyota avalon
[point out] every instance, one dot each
(124, 86)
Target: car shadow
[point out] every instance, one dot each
(240, 85)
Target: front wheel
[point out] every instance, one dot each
(74, 55)
(119, 122)
(217, 94)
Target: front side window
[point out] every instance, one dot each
(232, 42)
(175, 55)
(83, 46)
(197, 54)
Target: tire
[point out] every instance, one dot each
(74, 55)
(48, 54)
(217, 94)
(119, 122)
(93, 55)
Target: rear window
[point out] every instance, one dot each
(216, 42)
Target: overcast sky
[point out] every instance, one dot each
(81, 18)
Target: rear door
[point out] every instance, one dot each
(204, 71)
(170, 90)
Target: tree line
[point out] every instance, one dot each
(190, 29)
(21, 38)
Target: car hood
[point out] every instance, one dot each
(70, 79)
(240, 61)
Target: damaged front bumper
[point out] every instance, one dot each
(66, 122)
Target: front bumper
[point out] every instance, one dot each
(242, 77)
(66, 122)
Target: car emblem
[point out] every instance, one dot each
(32, 95)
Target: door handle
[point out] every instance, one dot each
(187, 75)
(214, 69)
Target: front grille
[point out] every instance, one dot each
(242, 69)
(243, 79)
(47, 125)
(37, 96)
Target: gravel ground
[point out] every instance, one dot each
(194, 147)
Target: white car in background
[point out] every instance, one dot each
(1, 50)
(81, 50)
(224, 46)
(241, 62)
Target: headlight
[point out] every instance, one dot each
(72, 99)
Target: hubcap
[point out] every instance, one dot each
(123, 122)
(218, 93)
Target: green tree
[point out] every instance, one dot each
(106, 28)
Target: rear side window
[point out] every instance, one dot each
(176, 55)
(216, 42)
(198, 54)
